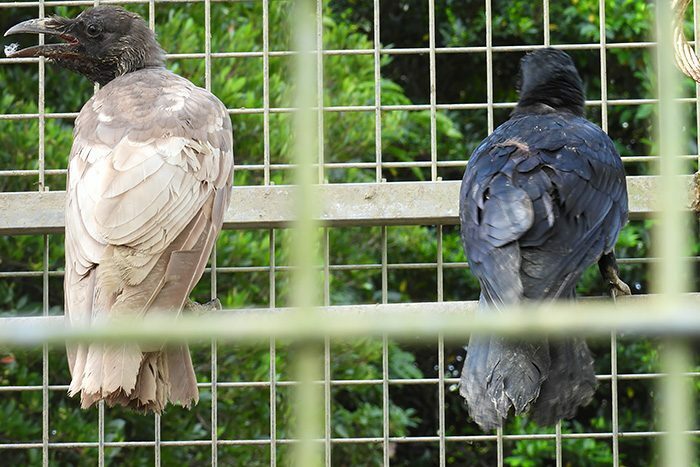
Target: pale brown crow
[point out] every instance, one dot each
(543, 197)
(149, 180)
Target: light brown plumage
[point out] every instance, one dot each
(149, 181)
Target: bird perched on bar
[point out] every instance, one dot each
(543, 197)
(149, 180)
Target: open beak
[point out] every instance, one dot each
(54, 26)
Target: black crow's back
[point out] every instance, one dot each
(542, 198)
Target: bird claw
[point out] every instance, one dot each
(617, 288)
(203, 308)
(215, 304)
(609, 271)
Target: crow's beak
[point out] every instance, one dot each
(43, 25)
(54, 26)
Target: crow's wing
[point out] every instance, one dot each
(542, 198)
(149, 182)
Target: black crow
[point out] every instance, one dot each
(543, 197)
(149, 180)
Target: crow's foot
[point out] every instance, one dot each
(616, 287)
(203, 308)
(610, 272)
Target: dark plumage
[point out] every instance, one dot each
(543, 197)
(149, 181)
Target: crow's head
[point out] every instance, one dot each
(549, 77)
(100, 43)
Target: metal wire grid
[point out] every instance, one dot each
(434, 163)
(439, 265)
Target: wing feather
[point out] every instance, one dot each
(561, 186)
(148, 159)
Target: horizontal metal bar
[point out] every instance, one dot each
(383, 51)
(263, 207)
(358, 440)
(356, 382)
(592, 316)
(340, 267)
(372, 108)
(341, 165)
(54, 3)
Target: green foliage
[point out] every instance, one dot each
(356, 410)
(243, 413)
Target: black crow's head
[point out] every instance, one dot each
(549, 76)
(100, 43)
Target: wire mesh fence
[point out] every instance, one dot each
(255, 267)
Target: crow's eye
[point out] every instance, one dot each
(93, 30)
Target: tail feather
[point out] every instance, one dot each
(549, 380)
(183, 384)
(153, 387)
(472, 384)
(518, 370)
(144, 381)
(108, 368)
(571, 382)
(499, 374)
